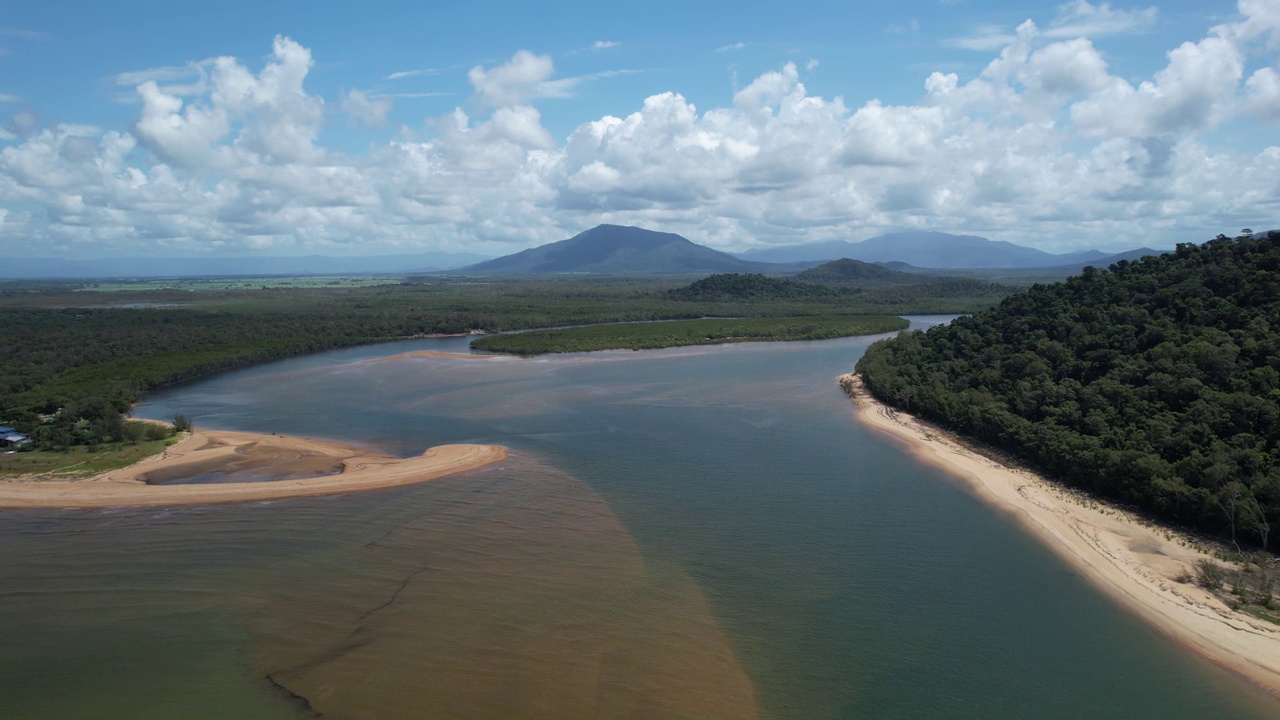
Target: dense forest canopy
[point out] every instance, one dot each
(1155, 383)
(846, 281)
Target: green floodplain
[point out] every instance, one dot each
(679, 333)
(70, 344)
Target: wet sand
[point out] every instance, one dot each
(306, 467)
(1134, 563)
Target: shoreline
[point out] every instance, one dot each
(308, 467)
(1133, 563)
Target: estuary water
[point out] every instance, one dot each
(698, 532)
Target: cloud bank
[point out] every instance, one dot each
(1045, 146)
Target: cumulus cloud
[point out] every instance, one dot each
(1263, 94)
(1047, 139)
(1191, 94)
(522, 78)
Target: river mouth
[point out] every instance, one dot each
(710, 532)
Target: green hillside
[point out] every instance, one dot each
(1154, 383)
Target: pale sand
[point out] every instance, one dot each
(1133, 563)
(312, 467)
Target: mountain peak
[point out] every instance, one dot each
(614, 250)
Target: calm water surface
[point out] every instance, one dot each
(685, 533)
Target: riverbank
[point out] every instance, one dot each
(273, 466)
(1134, 563)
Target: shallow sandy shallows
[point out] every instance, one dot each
(307, 467)
(1135, 564)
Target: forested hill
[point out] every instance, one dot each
(885, 288)
(1155, 382)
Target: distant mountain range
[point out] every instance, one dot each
(619, 250)
(219, 266)
(603, 250)
(622, 250)
(937, 250)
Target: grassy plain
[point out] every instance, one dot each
(80, 461)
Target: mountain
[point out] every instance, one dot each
(933, 250)
(855, 272)
(616, 250)
(12, 268)
(881, 281)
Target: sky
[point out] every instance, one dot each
(142, 128)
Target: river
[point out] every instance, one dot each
(696, 532)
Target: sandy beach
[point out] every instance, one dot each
(1134, 563)
(276, 467)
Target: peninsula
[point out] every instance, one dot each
(256, 467)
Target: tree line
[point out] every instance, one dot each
(1154, 383)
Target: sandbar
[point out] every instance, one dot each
(305, 466)
(433, 354)
(1133, 562)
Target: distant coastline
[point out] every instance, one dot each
(1134, 563)
(306, 467)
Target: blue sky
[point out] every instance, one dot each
(369, 128)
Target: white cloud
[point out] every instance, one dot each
(179, 80)
(1193, 93)
(400, 75)
(184, 138)
(7, 98)
(731, 46)
(1045, 141)
(522, 78)
(1082, 19)
(1263, 94)
(168, 73)
(370, 110)
(984, 39)
(604, 44)
(527, 77)
(1073, 20)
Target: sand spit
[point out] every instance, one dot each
(308, 467)
(434, 354)
(1134, 563)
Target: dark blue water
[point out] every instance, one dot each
(686, 533)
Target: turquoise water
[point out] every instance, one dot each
(698, 532)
